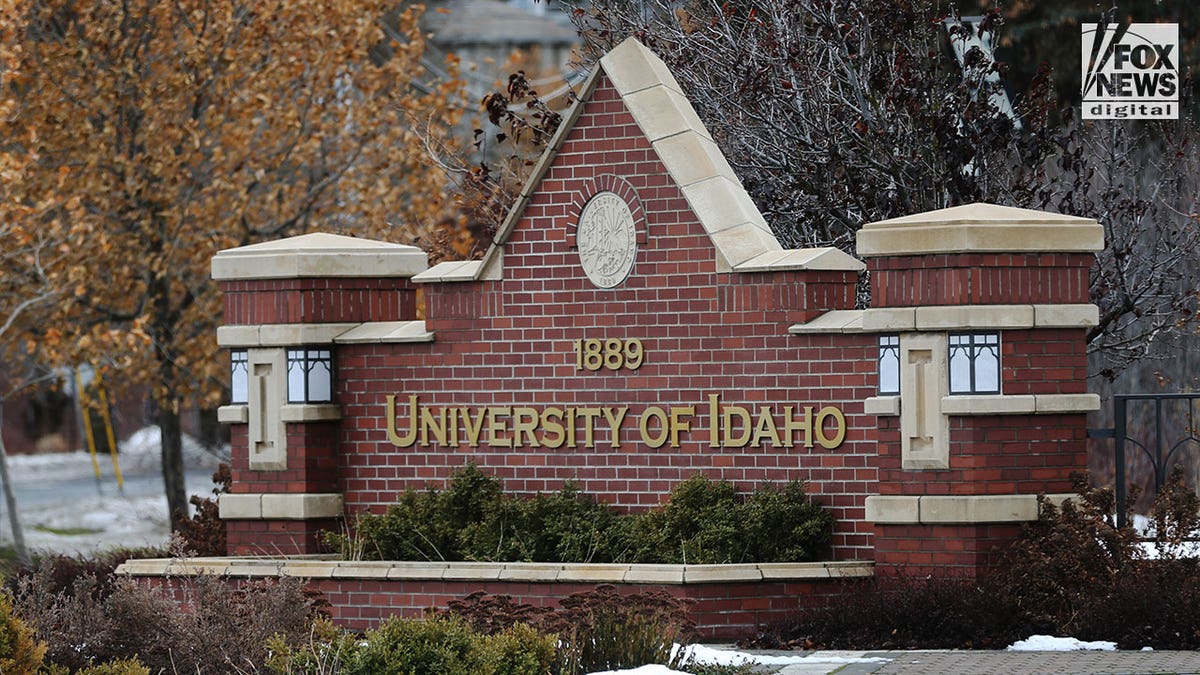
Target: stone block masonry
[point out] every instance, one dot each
(634, 323)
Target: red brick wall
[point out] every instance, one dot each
(312, 464)
(1010, 454)
(980, 278)
(915, 551)
(318, 300)
(501, 343)
(277, 537)
(722, 611)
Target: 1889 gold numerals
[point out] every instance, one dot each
(611, 354)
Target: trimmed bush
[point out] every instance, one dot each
(703, 521)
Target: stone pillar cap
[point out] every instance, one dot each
(980, 228)
(318, 255)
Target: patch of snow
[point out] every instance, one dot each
(86, 526)
(1141, 524)
(141, 453)
(1046, 643)
(706, 655)
(644, 670)
(63, 512)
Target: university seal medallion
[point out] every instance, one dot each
(607, 239)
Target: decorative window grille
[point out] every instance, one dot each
(889, 364)
(309, 375)
(974, 363)
(240, 380)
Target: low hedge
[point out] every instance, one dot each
(704, 521)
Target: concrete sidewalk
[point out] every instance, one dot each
(994, 663)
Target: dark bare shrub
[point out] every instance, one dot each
(220, 626)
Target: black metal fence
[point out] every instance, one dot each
(1161, 448)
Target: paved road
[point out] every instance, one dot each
(998, 663)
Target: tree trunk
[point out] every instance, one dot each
(10, 501)
(172, 463)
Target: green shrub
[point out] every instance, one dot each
(703, 521)
(521, 650)
(324, 651)
(20, 651)
(710, 522)
(130, 666)
(426, 525)
(443, 645)
(565, 526)
(785, 525)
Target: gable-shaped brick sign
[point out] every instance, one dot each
(636, 323)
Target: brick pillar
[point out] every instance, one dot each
(982, 312)
(288, 305)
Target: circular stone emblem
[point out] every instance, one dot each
(607, 239)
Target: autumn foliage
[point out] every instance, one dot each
(141, 137)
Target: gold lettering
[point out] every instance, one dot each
(765, 427)
(727, 422)
(497, 427)
(589, 416)
(525, 422)
(644, 426)
(571, 428)
(729, 426)
(714, 401)
(473, 425)
(680, 424)
(436, 425)
(819, 427)
(614, 424)
(553, 433)
(452, 427)
(395, 438)
(791, 425)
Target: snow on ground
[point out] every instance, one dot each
(1187, 549)
(141, 453)
(1045, 643)
(65, 509)
(644, 670)
(728, 657)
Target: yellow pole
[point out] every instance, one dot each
(112, 442)
(87, 424)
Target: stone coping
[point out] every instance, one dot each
(318, 255)
(1025, 404)
(817, 259)
(306, 334)
(950, 317)
(956, 509)
(328, 567)
(980, 228)
(994, 404)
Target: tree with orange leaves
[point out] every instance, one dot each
(151, 134)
